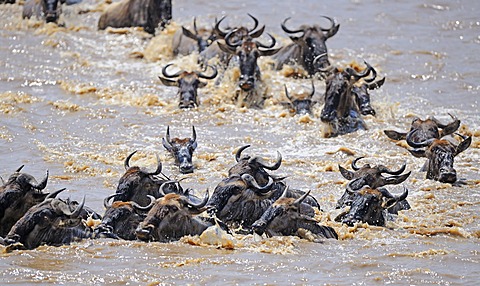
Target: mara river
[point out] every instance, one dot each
(76, 101)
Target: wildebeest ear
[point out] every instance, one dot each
(418, 152)
(188, 34)
(346, 173)
(202, 84)
(168, 82)
(166, 145)
(395, 135)
(226, 48)
(463, 146)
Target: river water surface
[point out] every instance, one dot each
(77, 101)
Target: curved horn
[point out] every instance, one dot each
(265, 165)
(385, 193)
(386, 170)
(313, 90)
(107, 199)
(212, 76)
(424, 143)
(267, 46)
(194, 134)
(230, 44)
(332, 24)
(354, 163)
(377, 84)
(41, 185)
(403, 195)
(145, 208)
(61, 206)
(202, 203)
(217, 30)
(251, 182)
(374, 74)
(54, 194)
(301, 199)
(167, 75)
(286, 93)
(255, 23)
(126, 164)
(317, 58)
(79, 208)
(167, 142)
(285, 192)
(159, 167)
(239, 152)
(288, 31)
(19, 169)
(195, 25)
(357, 75)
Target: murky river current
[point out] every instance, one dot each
(76, 101)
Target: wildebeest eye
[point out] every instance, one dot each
(173, 208)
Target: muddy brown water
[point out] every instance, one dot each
(77, 101)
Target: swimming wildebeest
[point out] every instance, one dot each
(148, 14)
(440, 154)
(181, 149)
(49, 10)
(187, 83)
(308, 49)
(301, 103)
(289, 216)
(186, 42)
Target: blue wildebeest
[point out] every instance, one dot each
(440, 154)
(121, 219)
(17, 195)
(421, 130)
(186, 42)
(248, 51)
(371, 176)
(49, 10)
(187, 83)
(301, 103)
(173, 217)
(370, 206)
(181, 149)
(340, 111)
(148, 14)
(52, 222)
(289, 216)
(308, 49)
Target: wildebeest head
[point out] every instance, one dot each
(240, 199)
(254, 166)
(239, 33)
(138, 182)
(362, 97)
(172, 217)
(50, 10)
(122, 218)
(19, 193)
(369, 205)
(301, 103)
(52, 222)
(248, 51)
(340, 110)
(187, 83)
(421, 130)
(181, 150)
(440, 154)
(287, 215)
(203, 37)
(312, 42)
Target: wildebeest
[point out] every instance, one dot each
(137, 183)
(237, 34)
(248, 51)
(148, 14)
(301, 103)
(288, 216)
(186, 42)
(421, 130)
(49, 10)
(341, 112)
(17, 195)
(308, 49)
(371, 176)
(173, 217)
(52, 222)
(187, 83)
(121, 219)
(181, 149)
(440, 154)
(369, 206)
